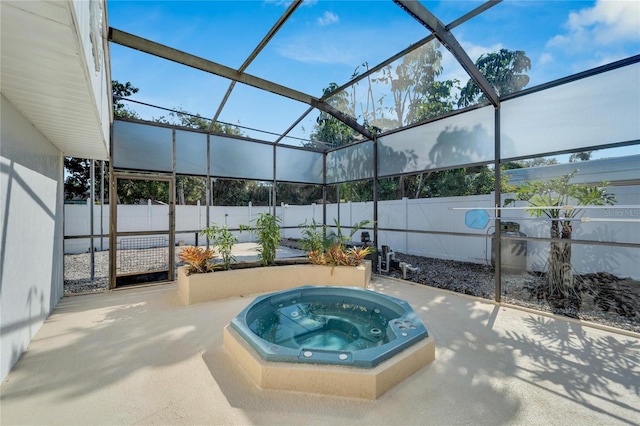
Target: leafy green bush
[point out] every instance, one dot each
(312, 236)
(331, 249)
(267, 228)
(224, 240)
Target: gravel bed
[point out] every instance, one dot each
(478, 280)
(77, 273)
(461, 277)
(77, 268)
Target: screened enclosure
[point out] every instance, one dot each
(413, 141)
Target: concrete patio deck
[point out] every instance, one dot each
(137, 356)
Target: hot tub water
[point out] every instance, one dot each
(329, 325)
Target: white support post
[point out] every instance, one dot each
(406, 224)
(282, 222)
(199, 216)
(149, 215)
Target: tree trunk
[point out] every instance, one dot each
(400, 188)
(419, 186)
(561, 291)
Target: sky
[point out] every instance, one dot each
(327, 41)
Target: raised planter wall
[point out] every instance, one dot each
(198, 288)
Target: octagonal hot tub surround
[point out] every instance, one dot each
(339, 341)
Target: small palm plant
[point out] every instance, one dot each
(553, 199)
(337, 237)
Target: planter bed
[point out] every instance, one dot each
(196, 288)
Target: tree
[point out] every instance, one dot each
(534, 162)
(425, 97)
(554, 199)
(438, 100)
(580, 156)
(504, 69)
(328, 129)
(134, 191)
(119, 92)
(460, 182)
(191, 189)
(76, 183)
(298, 194)
(417, 94)
(538, 162)
(180, 117)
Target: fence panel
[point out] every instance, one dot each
(433, 214)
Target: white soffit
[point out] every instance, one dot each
(45, 76)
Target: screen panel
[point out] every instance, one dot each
(191, 153)
(238, 158)
(353, 162)
(142, 147)
(597, 110)
(295, 165)
(462, 139)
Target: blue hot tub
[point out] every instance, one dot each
(329, 325)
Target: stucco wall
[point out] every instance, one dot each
(31, 259)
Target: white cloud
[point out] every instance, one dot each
(284, 3)
(326, 46)
(287, 3)
(605, 24)
(475, 51)
(545, 58)
(308, 50)
(328, 18)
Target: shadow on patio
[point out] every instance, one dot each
(138, 356)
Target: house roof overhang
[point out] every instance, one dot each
(55, 71)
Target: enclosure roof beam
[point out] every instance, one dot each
(346, 119)
(147, 46)
(464, 18)
(272, 32)
(286, 132)
(429, 20)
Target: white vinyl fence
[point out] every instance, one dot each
(431, 214)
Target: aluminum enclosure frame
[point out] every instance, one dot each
(493, 155)
(321, 157)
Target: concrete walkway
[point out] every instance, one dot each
(137, 356)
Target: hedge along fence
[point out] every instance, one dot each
(428, 218)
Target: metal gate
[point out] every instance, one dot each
(142, 230)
